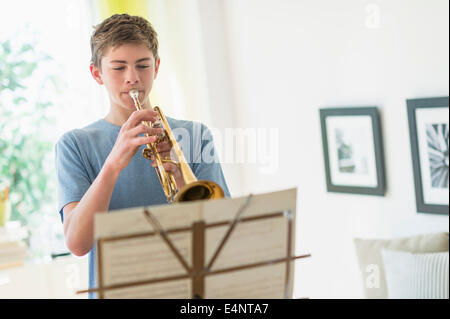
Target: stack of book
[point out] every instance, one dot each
(13, 249)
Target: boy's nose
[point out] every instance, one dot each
(132, 76)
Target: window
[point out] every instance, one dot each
(46, 89)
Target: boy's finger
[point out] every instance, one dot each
(169, 167)
(143, 115)
(142, 128)
(163, 155)
(142, 140)
(163, 147)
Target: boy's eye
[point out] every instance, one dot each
(120, 68)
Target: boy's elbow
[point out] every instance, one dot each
(75, 242)
(78, 252)
(75, 247)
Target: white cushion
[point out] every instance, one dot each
(416, 276)
(371, 263)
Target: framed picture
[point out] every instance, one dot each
(428, 131)
(353, 150)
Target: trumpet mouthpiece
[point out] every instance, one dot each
(134, 94)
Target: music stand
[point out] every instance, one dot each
(274, 212)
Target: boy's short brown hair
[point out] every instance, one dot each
(122, 29)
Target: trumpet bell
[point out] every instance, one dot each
(199, 190)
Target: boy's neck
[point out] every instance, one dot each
(119, 115)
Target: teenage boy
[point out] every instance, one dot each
(100, 167)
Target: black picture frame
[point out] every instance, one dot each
(378, 166)
(432, 104)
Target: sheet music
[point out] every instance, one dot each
(179, 289)
(250, 242)
(254, 283)
(142, 255)
(132, 221)
(144, 258)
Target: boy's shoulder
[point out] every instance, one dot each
(194, 128)
(188, 124)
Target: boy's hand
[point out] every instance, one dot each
(128, 141)
(164, 150)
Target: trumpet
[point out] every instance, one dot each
(193, 188)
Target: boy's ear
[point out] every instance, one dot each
(96, 74)
(157, 67)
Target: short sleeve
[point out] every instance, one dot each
(208, 165)
(73, 178)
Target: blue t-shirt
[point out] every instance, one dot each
(80, 154)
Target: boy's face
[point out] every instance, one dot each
(126, 67)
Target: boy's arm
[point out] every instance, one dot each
(79, 216)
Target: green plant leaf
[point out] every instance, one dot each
(26, 47)
(23, 150)
(6, 47)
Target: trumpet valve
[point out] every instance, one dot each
(147, 153)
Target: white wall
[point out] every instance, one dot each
(285, 60)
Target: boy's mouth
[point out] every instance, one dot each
(128, 92)
(128, 96)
